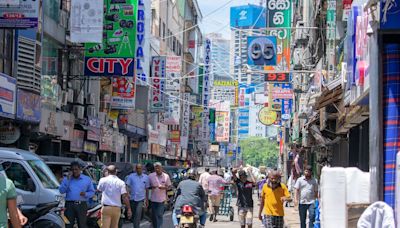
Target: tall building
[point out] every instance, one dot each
(220, 56)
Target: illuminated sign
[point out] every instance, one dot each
(277, 77)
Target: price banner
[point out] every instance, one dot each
(277, 77)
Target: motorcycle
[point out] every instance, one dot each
(94, 216)
(44, 215)
(187, 217)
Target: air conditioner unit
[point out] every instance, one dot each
(70, 97)
(301, 32)
(79, 98)
(91, 111)
(90, 99)
(79, 111)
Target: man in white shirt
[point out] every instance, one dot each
(203, 179)
(112, 189)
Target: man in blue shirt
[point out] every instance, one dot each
(138, 184)
(78, 189)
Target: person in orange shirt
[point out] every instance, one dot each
(273, 195)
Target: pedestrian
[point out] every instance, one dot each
(306, 188)
(214, 184)
(112, 190)
(8, 203)
(78, 189)
(227, 175)
(263, 180)
(138, 184)
(245, 197)
(203, 178)
(273, 195)
(160, 183)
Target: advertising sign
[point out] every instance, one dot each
(277, 77)
(222, 121)
(162, 134)
(185, 121)
(93, 129)
(7, 96)
(197, 113)
(266, 116)
(211, 124)
(174, 64)
(153, 137)
(261, 50)
(49, 90)
(331, 37)
(390, 13)
(106, 139)
(23, 15)
(77, 141)
(279, 16)
(86, 21)
(9, 3)
(282, 91)
(9, 134)
(225, 83)
(90, 147)
(206, 89)
(174, 136)
(157, 95)
(173, 106)
(286, 112)
(143, 41)
(123, 93)
(68, 122)
(28, 106)
(114, 56)
(51, 123)
(247, 16)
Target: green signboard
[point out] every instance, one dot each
(114, 56)
(279, 14)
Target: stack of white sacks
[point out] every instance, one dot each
(339, 187)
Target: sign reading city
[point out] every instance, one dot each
(277, 77)
(158, 66)
(114, 56)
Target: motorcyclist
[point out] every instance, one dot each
(190, 192)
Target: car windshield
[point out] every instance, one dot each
(44, 173)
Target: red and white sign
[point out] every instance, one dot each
(174, 64)
(123, 94)
(153, 137)
(282, 93)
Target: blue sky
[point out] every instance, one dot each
(219, 21)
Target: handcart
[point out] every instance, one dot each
(225, 207)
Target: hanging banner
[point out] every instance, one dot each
(197, 113)
(86, 21)
(331, 38)
(222, 120)
(142, 65)
(174, 64)
(206, 90)
(279, 16)
(172, 88)
(212, 117)
(123, 93)
(114, 56)
(173, 106)
(157, 95)
(185, 121)
(77, 141)
(261, 50)
(8, 95)
(21, 16)
(286, 112)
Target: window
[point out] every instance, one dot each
(163, 30)
(19, 176)
(44, 173)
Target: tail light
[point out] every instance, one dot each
(187, 209)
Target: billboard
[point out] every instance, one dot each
(86, 21)
(261, 50)
(279, 20)
(23, 15)
(123, 93)
(142, 64)
(114, 56)
(158, 67)
(28, 106)
(222, 120)
(248, 16)
(8, 95)
(206, 90)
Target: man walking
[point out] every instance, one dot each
(245, 197)
(306, 192)
(138, 184)
(273, 195)
(214, 184)
(112, 189)
(160, 183)
(78, 189)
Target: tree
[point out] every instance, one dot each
(259, 152)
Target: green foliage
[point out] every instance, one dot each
(259, 152)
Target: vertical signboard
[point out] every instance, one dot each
(331, 37)
(211, 123)
(279, 17)
(172, 88)
(114, 56)
(143, 41)
(206, 90)
(19, 16)
(222, 125)
(185, 121)
(158, 68)
(123, 93)
(86, 21)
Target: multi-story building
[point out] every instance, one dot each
(220, 56)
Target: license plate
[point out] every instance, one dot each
(66, 221)
(187, 219)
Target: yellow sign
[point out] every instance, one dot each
(226, 83)
(267, 116)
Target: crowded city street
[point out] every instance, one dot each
(199, 113)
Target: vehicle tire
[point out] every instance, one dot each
(231, 214)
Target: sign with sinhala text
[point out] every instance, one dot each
(114, 56)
